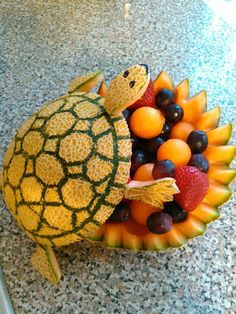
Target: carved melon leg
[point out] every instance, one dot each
(86, 82)
(45, 262)
(102, 91)
(154, 193)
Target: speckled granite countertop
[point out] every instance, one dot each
(44, 44)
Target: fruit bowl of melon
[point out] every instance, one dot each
(172, 135)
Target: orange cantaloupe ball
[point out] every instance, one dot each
(147, 122)
(140, 211)
(144, 173)
(175, 150)
(181, 130)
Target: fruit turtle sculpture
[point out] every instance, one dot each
(68, 167)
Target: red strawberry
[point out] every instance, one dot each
(148, 98)
(193, 185)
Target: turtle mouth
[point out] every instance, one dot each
(145, 66)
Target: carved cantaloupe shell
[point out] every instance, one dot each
(66, 169)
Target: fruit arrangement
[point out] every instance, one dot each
(172, 136)
(138, 165)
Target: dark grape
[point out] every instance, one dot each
(197, 141)
(174, 113)
(164, 98)
(177, 213)
(121, 213)
(165, 131)
(138, 142)
(126, 114)
(138, 158)
(159, 222)
(200, 162)
(163, 168)
(151, 158)
(153, 144)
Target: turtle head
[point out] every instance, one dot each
(127, 88)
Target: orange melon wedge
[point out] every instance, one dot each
(208, 120)
(193, 107)
(221, 135)
(163, 80)
(181, 91)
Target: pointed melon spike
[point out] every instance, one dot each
(155, 242)
(220, 154)
(191, 227)
(45, 262)
(206, 213)
(154, 193)
(86, 82)
(221, 135)
(181, 91)
(194, 106)
(163, 80)
(175, 237)
(208, 120)
(102, 91)
(127, 88)
(221, 173)
(217, 194)
(99, 234)
(113, 234)
(132, 235)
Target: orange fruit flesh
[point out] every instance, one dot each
(141, 211)
(147, 122)
(181, 131)
(175, 150)
(144, 173)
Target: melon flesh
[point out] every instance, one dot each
(221, 173)
(221, 135)
(208, 120)
(220, 154)
(205, 213)
(193, 107)
(163, 80)
(181, 91)
(217, 194)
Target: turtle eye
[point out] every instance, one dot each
(131, 84)
(126, 73)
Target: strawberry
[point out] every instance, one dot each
(148, 98)
(193, 185)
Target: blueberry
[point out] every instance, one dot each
(159, 222)
(153, 144)
(164, 98)
(177, 213)
(138, 158)
(174, 113)
(197, 141)
(163, 168)
(121, 213)
(165, 131)
(200, 162)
